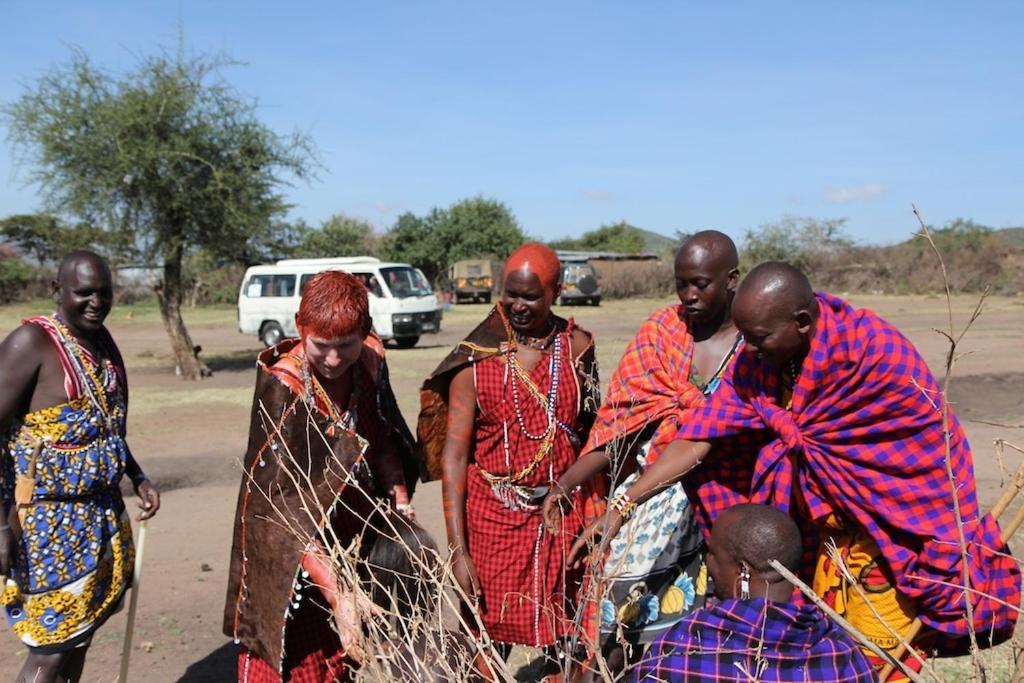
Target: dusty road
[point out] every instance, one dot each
(189, 436)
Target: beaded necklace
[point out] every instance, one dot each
(314, 390)
(503, 485)
(92, 383)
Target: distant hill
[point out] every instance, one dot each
(656, 243)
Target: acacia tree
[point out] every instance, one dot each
(47, 239)
(168, 152)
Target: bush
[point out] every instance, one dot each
(629, 279)
(976, 257)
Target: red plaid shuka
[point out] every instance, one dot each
(651, 383)
(864, 439)
(527, 589)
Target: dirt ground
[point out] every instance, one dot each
(189, 437)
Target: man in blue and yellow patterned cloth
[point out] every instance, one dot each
(65, 539)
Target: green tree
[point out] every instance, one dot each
(471, 228)
(168, 152)
(806, 243)
(47, 239)
(339, 235)
(619, 237)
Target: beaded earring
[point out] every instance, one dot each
(744, 582)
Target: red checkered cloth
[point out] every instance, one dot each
(527, 589)
(314, 653)
(651, 383)
(864, 439)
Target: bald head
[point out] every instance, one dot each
(81, 257)
(710, 247)
(536, 258)
(755, 534)
(778, 286)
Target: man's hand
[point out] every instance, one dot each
(555, 504)
(605, 526)
(149, 499)
(465, 574)
(8, 548)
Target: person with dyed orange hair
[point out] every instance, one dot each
(502, 418)
(327, 444)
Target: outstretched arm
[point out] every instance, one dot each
(582, 470)
(678, 458)
(454, 461)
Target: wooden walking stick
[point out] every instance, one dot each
(133, 603)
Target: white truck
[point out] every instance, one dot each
(402, 304)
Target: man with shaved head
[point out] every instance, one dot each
(65, 539)
(845, 429)
(503, 417)
(756, 631)
(675, 360)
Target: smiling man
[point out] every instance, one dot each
(844, 426)
(65, 538)
(503, 416)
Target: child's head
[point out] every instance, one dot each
(400, 565)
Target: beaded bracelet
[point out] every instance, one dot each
(624, 505)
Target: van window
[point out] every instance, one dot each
(270, 285)
(404, 281)
(372, 283)
(368, 279)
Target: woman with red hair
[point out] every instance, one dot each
(327, 444)
(502, 418)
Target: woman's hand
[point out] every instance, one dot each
(556, 503)
(465, 574)
(605, 526)
(149, 499)
(403, 506)
(350, 609)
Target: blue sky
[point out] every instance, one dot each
(668, 115)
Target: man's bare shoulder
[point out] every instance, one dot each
(24, 343)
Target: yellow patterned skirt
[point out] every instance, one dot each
(66, 617)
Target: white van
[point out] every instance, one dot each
(402, 304)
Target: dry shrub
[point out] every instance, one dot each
(635, 279)
(977, 258)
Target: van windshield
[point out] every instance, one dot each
(404, 282)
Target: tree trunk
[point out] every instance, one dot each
(169, 293)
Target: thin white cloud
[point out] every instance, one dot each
(387, 208)
(600, 196)
(854, 193)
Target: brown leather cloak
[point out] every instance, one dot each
(295, 465)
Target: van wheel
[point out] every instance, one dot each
(271, 333)
(487, 298)
(406, 342)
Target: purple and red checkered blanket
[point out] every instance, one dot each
(864, 439)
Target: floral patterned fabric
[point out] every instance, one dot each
(75, 555)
